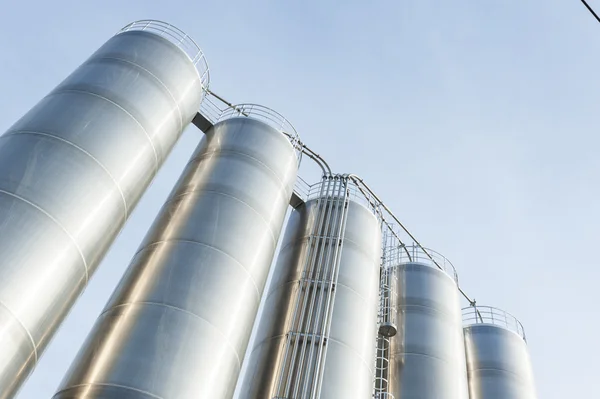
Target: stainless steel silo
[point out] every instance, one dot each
(497, 357)
(316, 337)
(178, 324)
(72, 170)
(427, 355)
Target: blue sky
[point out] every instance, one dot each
(476, 121)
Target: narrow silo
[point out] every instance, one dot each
(317, 334)
(72, 170)
(497, 357)
(178, 324)
(427, 355)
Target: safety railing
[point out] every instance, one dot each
(265, 115)
(489, 315)
(396, 255)
(308, 191)
(180, 39)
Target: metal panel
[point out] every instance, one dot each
(498, 361)
(71, 171)
(427, 356)
(178, 324)
(350, 343)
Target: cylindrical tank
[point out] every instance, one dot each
(498, 361)
(349, 345)
(178, 324)
(73, 168)
(427, 355)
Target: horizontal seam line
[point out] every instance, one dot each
(211, 153)
(158, 304)
(274, 337)
(188, 193)
(396, 354)
(121, 108)
(151, 74)
(504, 371)
(106, 385)
(302, 240)
(85, 265)
(25, 132)
(24, 328)
(156, 243)
(296, 281)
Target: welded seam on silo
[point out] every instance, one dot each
(279, 336)
(35, 353)
(155, 78)
(31, 132)
(176, 240)
(212, 153)
(449, 362)
(296, 281)
(159, 304)
(85, 265)
(157, 163)
(103, 384)
(203, 191)
(517, 375)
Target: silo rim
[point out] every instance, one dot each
(488, 315)
(180, 39)
(397, 255)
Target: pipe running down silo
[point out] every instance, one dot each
(178, 324)
(72, 170)
(497, 357)
(316, 335)
(426, 355)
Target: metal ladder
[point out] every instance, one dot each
(300, 374)
(387, 323)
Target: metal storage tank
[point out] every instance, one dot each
(497, 357)
(72, 170)
(178, 324)
(316, 337)
(427, 355)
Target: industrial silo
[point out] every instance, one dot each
(316, 337)
(72, 170)
(497, 357)
(426, 355)
(178, 324)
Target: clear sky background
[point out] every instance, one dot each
(475, 120)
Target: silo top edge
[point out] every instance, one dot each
(326, 188)
(262, 114)
(395, 255)
(178, 38)
(488, 315)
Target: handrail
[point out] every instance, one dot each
(396, 256)
(178, 38)
(474, 315)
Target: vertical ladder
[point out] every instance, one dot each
(387, 323)
(301, 371)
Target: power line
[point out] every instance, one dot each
(590, 9)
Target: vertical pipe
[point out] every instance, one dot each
(178, 324)
(71, 172)
(347, 370)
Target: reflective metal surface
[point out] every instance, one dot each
(350, 342)
(178, 324)
(427, 356)
(498, 363)
(71, 171)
